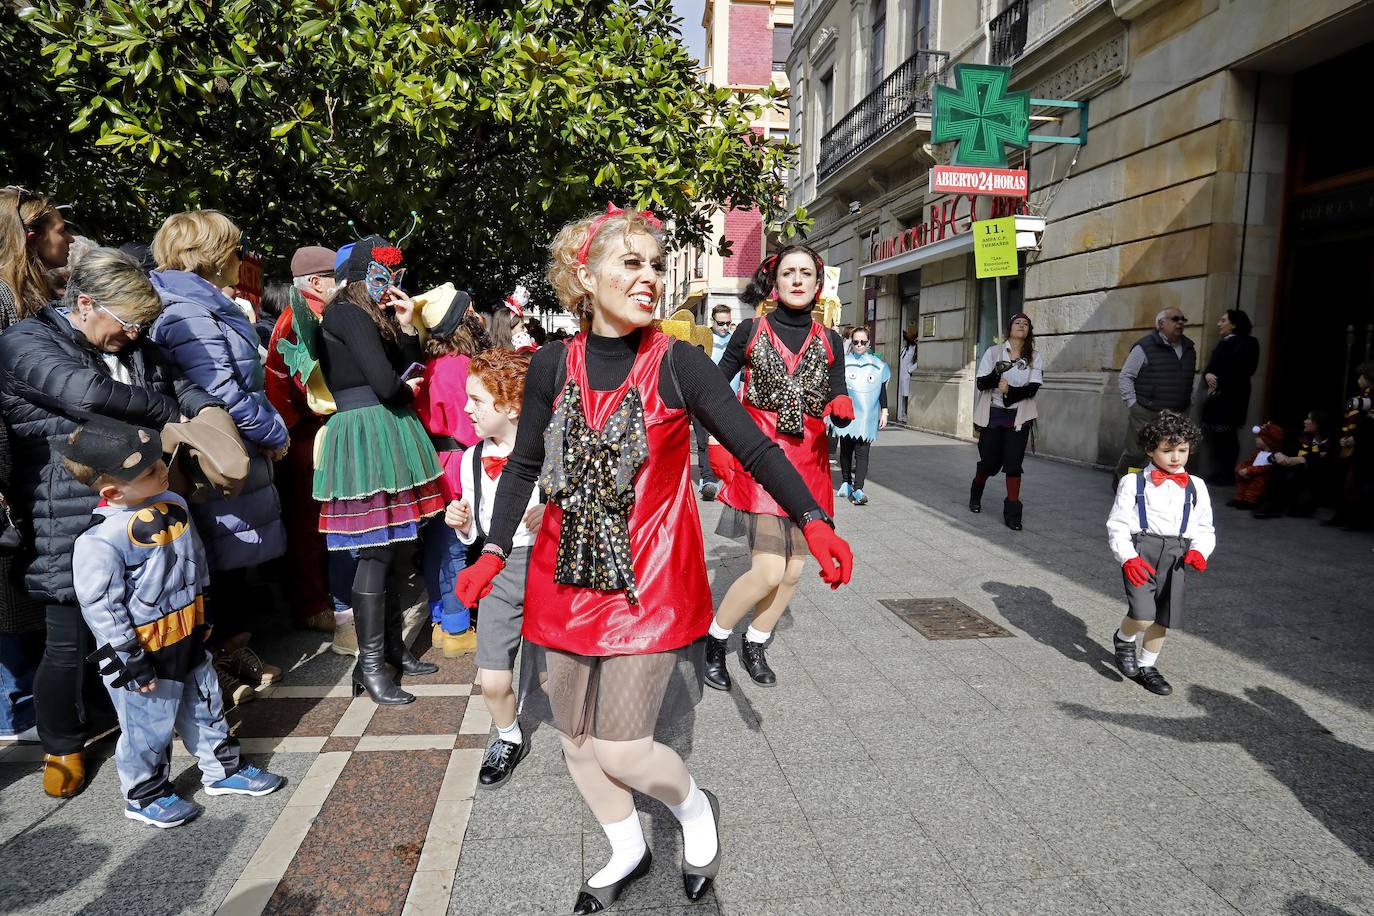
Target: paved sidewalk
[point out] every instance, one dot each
(886, 773)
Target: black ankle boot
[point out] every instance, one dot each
(1011, 513)
(975, 497)
(397, 653)
(716, 674)
(756, 663)
(369, 617)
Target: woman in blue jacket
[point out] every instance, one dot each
(211, 342)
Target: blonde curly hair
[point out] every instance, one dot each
(562, 274)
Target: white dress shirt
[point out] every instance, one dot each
(524, 537)
(1164, 512)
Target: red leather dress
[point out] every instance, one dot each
(786, 394)
(667, 604)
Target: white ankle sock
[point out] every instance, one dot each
(627, 849)
(1145, 658)
(718, 631)
(1123, 637)
(758, 636)
(511, 733)
(342, 618)
(699, 840)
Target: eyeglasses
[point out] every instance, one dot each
(860, 343)
(723, 324)
(130, 327)
(21, 197)
(1179, 318)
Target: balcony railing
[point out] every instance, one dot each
(899, 98)
(1007, 33)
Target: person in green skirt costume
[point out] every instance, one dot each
(376, 472)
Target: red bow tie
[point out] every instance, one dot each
(493, 466)
(1158, 477)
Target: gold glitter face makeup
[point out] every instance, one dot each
(627, 285)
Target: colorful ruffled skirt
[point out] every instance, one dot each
(376, 477)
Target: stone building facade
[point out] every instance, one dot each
(1211, 179)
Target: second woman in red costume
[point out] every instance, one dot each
(617, 601)
(793, 379)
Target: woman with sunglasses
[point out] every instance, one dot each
(866, 377)
(376, 472)
(86, 356)
(34, 239)
(210, 340)
(1009, 375)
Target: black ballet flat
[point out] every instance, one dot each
(596, 899)
(697, 881)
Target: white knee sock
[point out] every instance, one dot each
(1145, 658)
(699, 840)
(758, 636)
(718, 631)
(511, 734)
(627, 849)
(1123, 637)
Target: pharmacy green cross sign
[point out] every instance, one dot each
(981, 115)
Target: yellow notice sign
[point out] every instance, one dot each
(994, 247)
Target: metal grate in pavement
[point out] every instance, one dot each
(943, 618)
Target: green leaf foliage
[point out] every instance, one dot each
(497, 122)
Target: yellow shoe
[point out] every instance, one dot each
(464, 643)
(63, 775)
(436, 636)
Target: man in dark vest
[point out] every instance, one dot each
(1158, 375)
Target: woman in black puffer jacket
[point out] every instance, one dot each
(86, 357)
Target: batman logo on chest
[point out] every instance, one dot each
(158, 524)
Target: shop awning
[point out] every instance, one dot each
(1028, 229)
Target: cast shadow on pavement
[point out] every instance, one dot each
(1307, 905)
(1034, 611)
(1332, 779)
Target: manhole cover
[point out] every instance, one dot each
(943, 618)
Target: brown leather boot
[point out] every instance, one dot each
(64, 774)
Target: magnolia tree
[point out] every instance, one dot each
(495, 122)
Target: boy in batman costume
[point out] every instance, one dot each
(139, 572)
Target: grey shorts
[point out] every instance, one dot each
(501, 613)
(1161, 598)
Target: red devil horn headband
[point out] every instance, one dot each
(595, 227)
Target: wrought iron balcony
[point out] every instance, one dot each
(1007, 33)
(899, 98)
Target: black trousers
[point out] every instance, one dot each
(1002, 448)
(704, 473)
(60, 685)
(1224, 443)
(853, 460)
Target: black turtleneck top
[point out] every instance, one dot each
(792, 328)
(692, 381)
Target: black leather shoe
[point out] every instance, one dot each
(975, 498)
(500, 762)
(596, 899)
(1153, 681)
(696, 880)
(1011, 513)
(1125, 657)
(716, 674)
(756, 663)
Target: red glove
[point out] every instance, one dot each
(1196, 560)
(840, 409)
(831, 551)
(1138, 572)
(723, 464)
(474, 582)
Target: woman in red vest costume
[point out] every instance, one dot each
(617, 602)
(793, 379)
